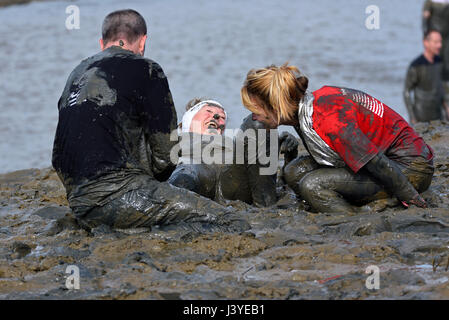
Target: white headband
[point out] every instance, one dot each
(188, 116)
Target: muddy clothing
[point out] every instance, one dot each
(115, 117)
(112, 143)
(238, 180)
(423, 91)
(215, 180)
(346, 128)
(261, 182)
(341, 190)
(160, 203)
(439, 20)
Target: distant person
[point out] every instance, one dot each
(361, 150)
(423, 91)
(203, 121)
(112, 144)
(436, 17)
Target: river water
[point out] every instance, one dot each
(205, 48)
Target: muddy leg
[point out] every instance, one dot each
(327, 189)
(232, 184)
(185, 177)
(296, 169)
(331, 190)
(160, 204)
(199, 178)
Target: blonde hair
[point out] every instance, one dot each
(277, 90)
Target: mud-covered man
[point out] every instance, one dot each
(112, 144)
(201, 133)
(423, 91)
(436, 17)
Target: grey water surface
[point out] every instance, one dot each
(205, 47)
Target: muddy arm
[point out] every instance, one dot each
(389, 174)
(288, 145)
(160, 120)
(263, 187)
(410, 83)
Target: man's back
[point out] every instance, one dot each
(116, 105)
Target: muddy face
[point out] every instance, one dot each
(209, 120)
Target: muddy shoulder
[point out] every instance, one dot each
(289, 253)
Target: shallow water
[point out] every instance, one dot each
(205, 48)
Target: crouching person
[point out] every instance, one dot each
(360, 149)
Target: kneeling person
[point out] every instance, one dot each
(364, 149)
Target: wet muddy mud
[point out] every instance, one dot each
(290, 253)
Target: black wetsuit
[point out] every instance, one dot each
(236, 181)
(439, 20)
(423, 91)
(112, 145)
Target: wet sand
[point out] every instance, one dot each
(289, 253)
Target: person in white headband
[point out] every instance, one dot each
(225, 181)
(204, 117)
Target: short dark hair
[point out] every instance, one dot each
(428, 32)
(127, 24)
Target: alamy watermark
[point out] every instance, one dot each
(373, 281)
(372, 22)
(251, 146)
(73, 279)
(73, 19)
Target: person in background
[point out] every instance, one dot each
(423, 89)
(436, 17)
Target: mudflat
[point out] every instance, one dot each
(290, 253)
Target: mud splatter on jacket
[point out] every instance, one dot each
(346, 127)
(115, 117)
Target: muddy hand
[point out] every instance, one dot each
(417, 201)
(288, 143)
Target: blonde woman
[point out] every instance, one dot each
(361, 150)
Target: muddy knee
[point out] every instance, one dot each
(309, 186)
(186, 179)
(294, 171)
